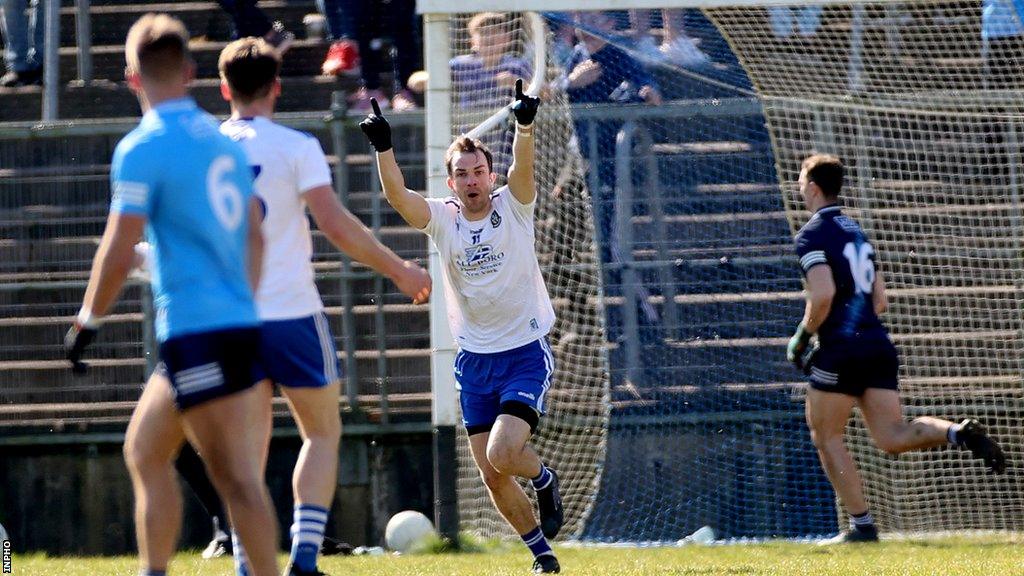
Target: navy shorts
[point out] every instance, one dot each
(298, 353)
(209, 365)
(487, 381)
(851, 367)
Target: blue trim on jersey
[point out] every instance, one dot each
(299, 353)
(485, 381)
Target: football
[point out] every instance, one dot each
(406, 529)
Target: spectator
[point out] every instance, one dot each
(602, 72)
(22, 24)
(802, 21)
(250, 20)
(676, 46)
(396, 20)
(1001, 42)
(341, 16)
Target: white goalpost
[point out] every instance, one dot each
(667, 204)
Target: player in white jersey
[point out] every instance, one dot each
(298, 351)
(498, 309)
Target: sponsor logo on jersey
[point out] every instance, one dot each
(847, 223)
(495, 219)
(527, 395)
(480, 260)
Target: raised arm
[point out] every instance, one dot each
(412, 206)
(350, 236)
(520, 175)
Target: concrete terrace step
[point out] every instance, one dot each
(105, 99)
(46, 381)
(66, 416)
(302, 59)
(41, 337)
(110, 21)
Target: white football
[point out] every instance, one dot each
(3, 533)
(406, 529)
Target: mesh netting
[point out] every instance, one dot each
(690, 127)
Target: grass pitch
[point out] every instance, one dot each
(952, 556)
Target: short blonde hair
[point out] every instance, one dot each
(157, 46)
(486, 19)
(249, 66)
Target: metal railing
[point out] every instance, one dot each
(632, 152)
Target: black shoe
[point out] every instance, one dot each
(973, 437)
(280, 38)
(332, 547)
(14, 79)
(219, 546)
(293, 571)
(552, 515)
(546, 564)
(855, 536)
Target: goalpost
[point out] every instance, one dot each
(664, 232)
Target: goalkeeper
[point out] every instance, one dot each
(498, 309)
(854, 363)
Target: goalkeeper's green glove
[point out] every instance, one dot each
(800, 351)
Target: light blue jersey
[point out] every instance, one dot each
(193, 185)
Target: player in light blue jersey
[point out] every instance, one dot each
(189, 188)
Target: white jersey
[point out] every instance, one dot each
(495, 293)
(286, 163)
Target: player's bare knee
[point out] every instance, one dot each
(494, 480)
(141, 459)
(502, 456)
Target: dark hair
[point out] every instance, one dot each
(249, 66)
(826, 171)
(157, 46)
(470, 145)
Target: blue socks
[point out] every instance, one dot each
(535, 541)
(862, 521)
(153, 573)
(543, 480)
(241, 560)
(309, 522)
(951, 434)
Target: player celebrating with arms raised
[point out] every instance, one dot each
(498, 309)
(855, 362)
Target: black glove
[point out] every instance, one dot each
(75, 342)
(800, 351)
(525, 107)
(377, 129)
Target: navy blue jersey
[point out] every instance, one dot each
(831, 238)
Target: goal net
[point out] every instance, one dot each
(669, 146)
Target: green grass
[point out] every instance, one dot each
(954, 556)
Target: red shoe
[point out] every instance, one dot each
(342, 57)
